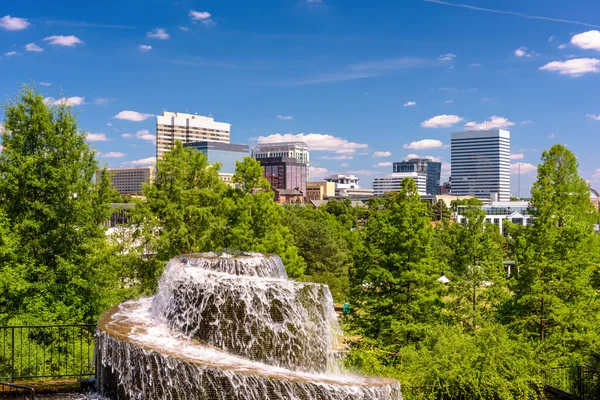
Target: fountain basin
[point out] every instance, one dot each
(140, 358)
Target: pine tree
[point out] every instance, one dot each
(178, 214)
(394, 288)
(478, 279)
(54, 212)
(554, 299)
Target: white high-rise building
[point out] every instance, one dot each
(480, 164)
(392, 182)
(188, 128)
(297, 150)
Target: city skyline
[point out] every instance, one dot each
(364, 86)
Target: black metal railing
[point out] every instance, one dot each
(13, 391)
(46, 352)
(582, 382)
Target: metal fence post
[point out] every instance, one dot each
(12, 374)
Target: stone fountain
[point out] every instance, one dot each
(224, 327)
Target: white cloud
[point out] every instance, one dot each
(563, 46)
(410, 104)
(108, 124)
(318, 172)
(495, 122)
(589, 40)
(527, 122)
(13, 23)
(597, 173)
(45, 83)
(33, 47)
(68, 41)
(522, 52)
(143, 134)
(449, 101)
(441, 121)
(474, 65)
(487, 99)
(316, 142)
(446, 57)
(551, 136)
(96, 137)
(143, 161)
(525, 168)
(285, 117)
(424, 144)
(158, 33)
(102, 101)
(133, 116)
(69, 101)
(594, 116)
(382, 154)
(202, 16)
(411, 155)
(183, 28)
(344, 165)
(518, 156)
(112, 154)
(383, 164)
(575, 67)
(145, 47)
(552, 39)
(12, 53)
(343, 157)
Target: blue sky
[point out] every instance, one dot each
(340, 74)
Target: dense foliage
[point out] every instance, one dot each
(484, 334)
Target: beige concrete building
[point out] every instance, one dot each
(319, 190)
(188, 128)
(128, 180)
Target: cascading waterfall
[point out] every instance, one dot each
(223, 327)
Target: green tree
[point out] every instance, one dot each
(249, 175)
(178, 214)
(554, 300)
(478, 279)
(440, 211)
(54, 211)
(254, 221)
(393, 285)
(322, 243)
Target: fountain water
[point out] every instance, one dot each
(228, 327)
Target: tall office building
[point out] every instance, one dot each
(480, 164)
(285, 173)
(225, 153)
(128, 180)
(393, 182)
(431, 169)
(172, 126)
(296, 150)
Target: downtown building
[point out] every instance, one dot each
(128, 180)
(392, 183)
(188, 128)
(424, 166)
(480, 164)
(296, 150)
(287, 178)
